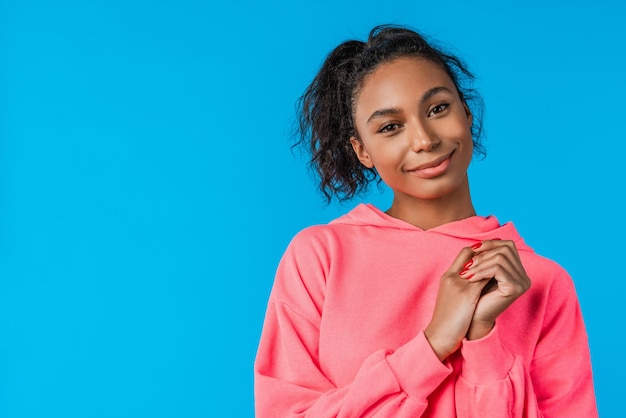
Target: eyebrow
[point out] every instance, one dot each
(392, 110)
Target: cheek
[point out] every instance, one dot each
(460, 134)
(388, 153)
(460, 130)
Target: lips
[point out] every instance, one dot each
(433, 168)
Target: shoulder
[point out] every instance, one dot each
(340, 229)
(535, 261)
(547, 275)
(306, 265)
(319, 239)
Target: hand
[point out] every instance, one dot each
(455, 307)
(497, 264)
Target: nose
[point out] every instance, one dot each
(423, 140)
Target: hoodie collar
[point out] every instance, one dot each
(475, 228)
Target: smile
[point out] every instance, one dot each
(432, 169)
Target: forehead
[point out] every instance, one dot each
(404, 79)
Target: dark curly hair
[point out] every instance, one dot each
(326, 109)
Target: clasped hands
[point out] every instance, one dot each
(482, 282)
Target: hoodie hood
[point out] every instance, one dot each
(474, 228)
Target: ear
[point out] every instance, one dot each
(361, 153)
(468, 112)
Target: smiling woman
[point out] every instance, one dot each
(426, 309)
(412, 124)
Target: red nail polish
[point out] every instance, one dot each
(468, 264)
(496, 239)
(462, 272)
(477, 245)
(469, 277)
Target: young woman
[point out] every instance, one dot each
(426, 309)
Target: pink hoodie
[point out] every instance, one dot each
(343, 334)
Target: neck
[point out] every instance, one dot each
(430, 213)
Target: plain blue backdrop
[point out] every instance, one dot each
(148, 189)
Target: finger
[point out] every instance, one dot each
(505, 250)
(464, 256)
(498, 266)
(509, 282)
(496, 271)
(497, 243)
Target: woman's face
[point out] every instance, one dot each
(414, 129)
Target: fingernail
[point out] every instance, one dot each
(496, 239)
(468, 264)
(470, 276)
(477, 245)
(462, 272)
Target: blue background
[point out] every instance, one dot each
(148, 189)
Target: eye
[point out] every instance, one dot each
(435, 110)
(390, 127)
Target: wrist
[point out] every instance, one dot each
(440, 346)
(479, 329)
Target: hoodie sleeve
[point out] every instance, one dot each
(289, 377)
(558, 383)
